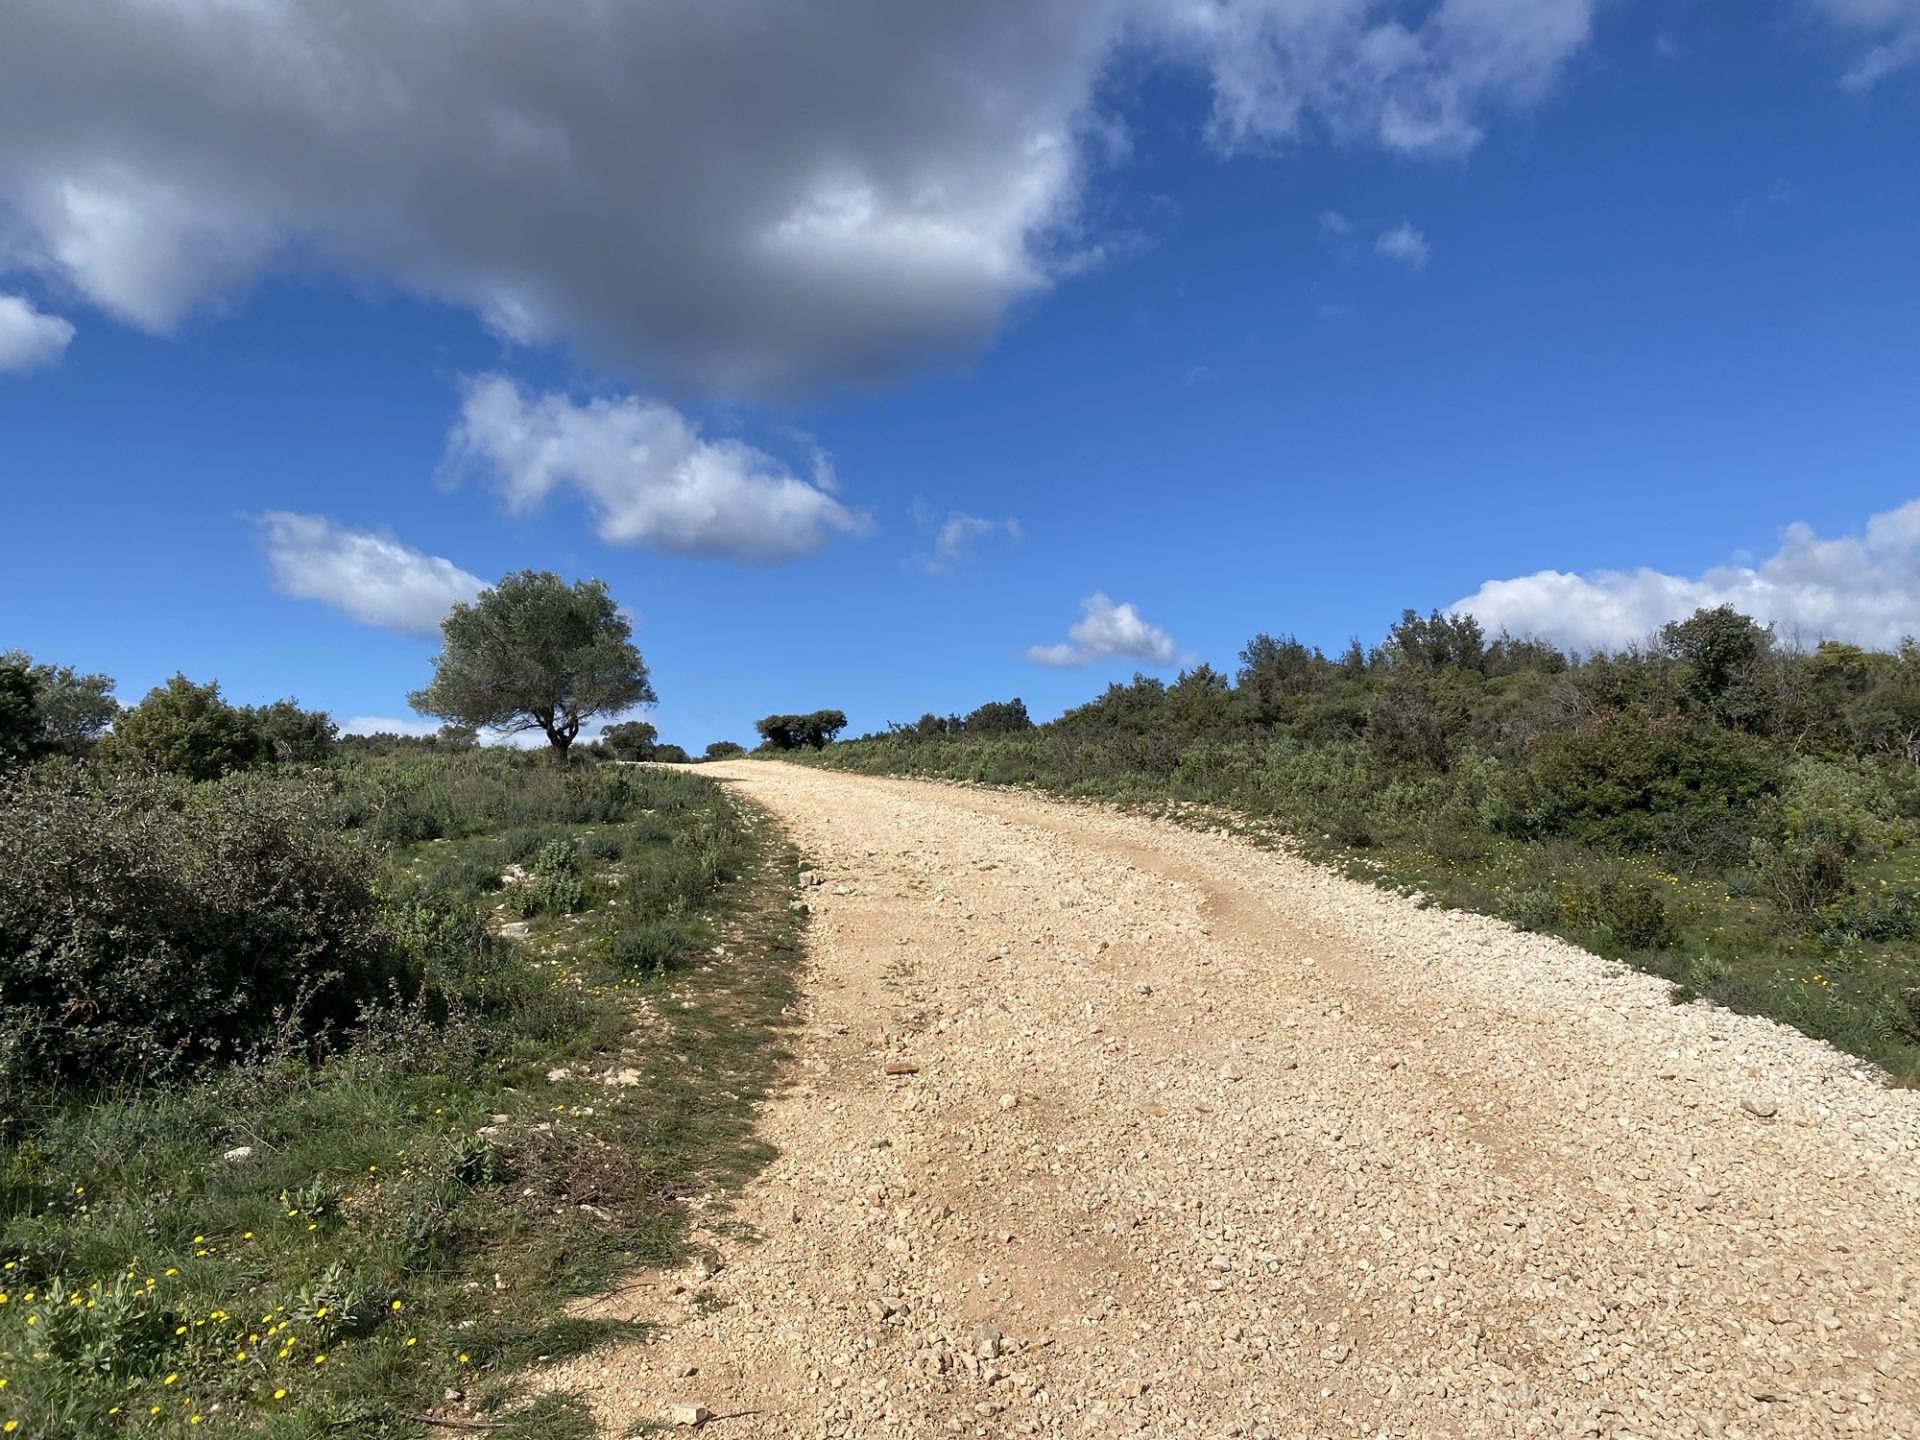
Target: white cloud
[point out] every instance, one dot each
(30, 339)
(753, 199)
(1892, 30)
(367, 575)
(1333, 223)
(647, 475)
(1405, 244)
(1361, 73)
(955, 535)
(1107, 629)
(1863, 588)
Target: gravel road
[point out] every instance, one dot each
(1104, 1126)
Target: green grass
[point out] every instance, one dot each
(377, 1251)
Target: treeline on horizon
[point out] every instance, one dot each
(1725, 808)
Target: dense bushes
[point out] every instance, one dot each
(148, 925)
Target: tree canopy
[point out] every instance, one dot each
(534, 653)
(631, 740)
(790, 732)
(181, 728)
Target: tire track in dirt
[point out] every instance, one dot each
(1104, 1126)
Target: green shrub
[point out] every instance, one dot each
(181, 728)
(602, 846)
(149, 925)
(1800, 878)
(1529, 907)
(1626, 782)
(553, 885)
(651, 946)
(1635, 914)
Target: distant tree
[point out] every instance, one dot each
(998, 717)
(1887, 718)
(671, 754)
(457, 737)
(1199, 702)
(294, 734)
(1509, 654)
(790, 732)
(631, 740)
(19, 714)
(724, 750)
(71, 709)
(1439, 642)
(819, 728)
(1273, 673)
(1723, 658)
(534, 653)
(181, 728)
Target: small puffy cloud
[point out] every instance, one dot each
(955, 535)
(1863, 588)
(1332, 222)
(1107, 630)
(647, 475)
(365, 574)
(30, 339)
(1891, 29)
(1405, 244)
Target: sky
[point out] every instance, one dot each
(898, 358)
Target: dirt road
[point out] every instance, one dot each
(1102, 1126)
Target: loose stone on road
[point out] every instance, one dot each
(1102, 1126)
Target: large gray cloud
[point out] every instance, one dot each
(752, 198)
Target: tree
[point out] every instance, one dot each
(998, 717)
(724, 750)
(790, 732)
(1274, 672)
(1723, 657)
(71, 710)
(457, 737)
(19, 713)
(181, 728)
(670, 754)
(534, 653)
(293, 734)
(631, 740)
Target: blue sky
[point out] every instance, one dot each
(868, 364)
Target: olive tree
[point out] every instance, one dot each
(534, 653)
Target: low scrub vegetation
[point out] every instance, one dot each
(295, 1140)
(1737, 814)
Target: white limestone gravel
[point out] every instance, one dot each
(1103, 1126)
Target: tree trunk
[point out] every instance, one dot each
(561, 742)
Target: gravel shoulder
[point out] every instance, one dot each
(1098, 1125)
